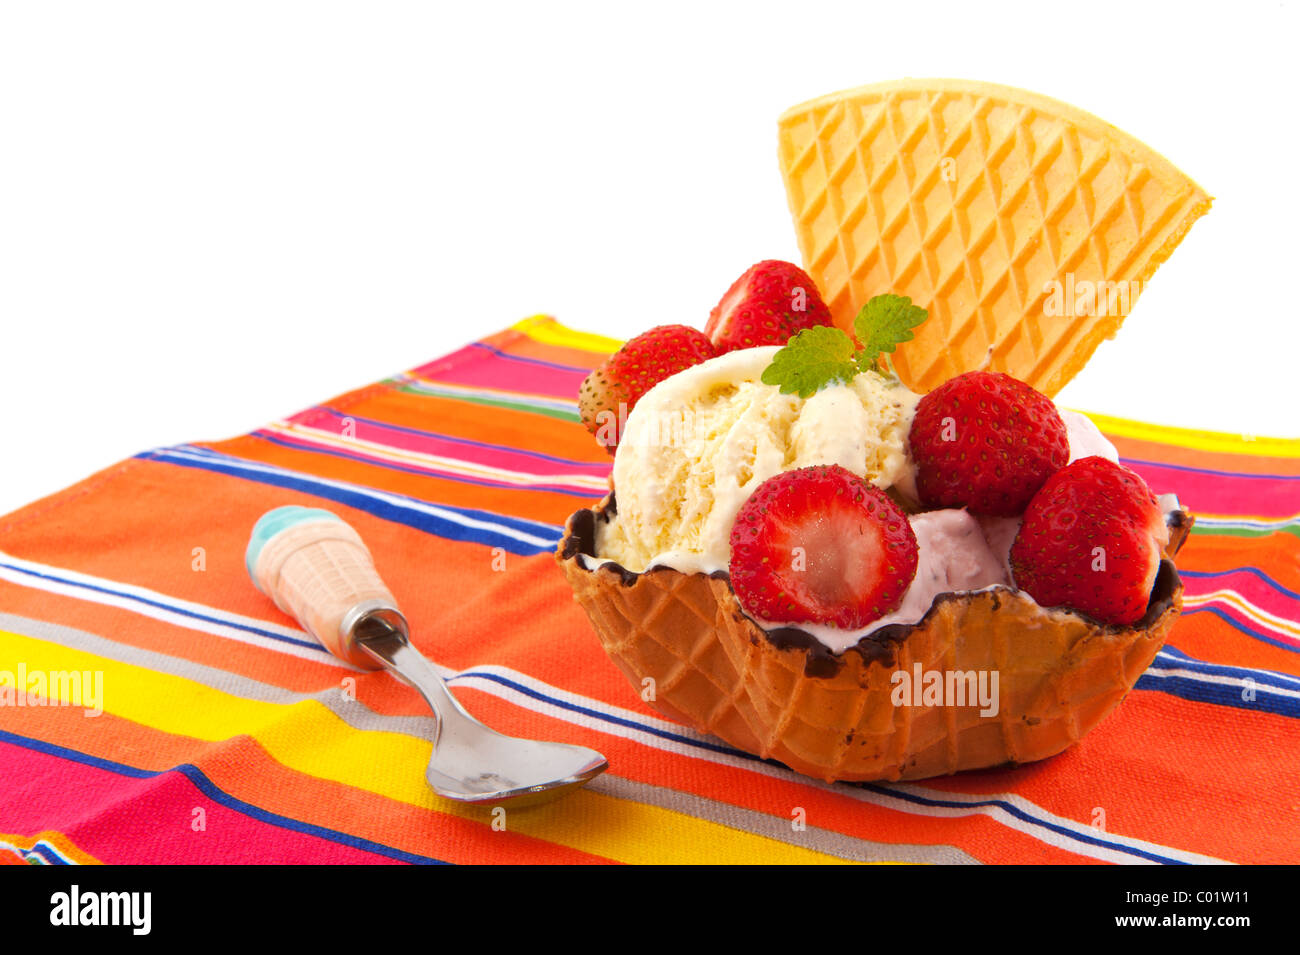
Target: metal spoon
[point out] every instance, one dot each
(316, 568)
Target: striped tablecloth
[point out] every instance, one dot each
(208, 728)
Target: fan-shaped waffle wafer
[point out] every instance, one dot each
(974, 199)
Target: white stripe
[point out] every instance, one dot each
(404, 503)
(1240, 522)
(1200, 666)
(1239, 682)
(396, 455)
(27, 855)
(1043, 816)
(130, 598)
(1231, 598)
(639, 732)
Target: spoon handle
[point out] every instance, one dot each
(317, 569)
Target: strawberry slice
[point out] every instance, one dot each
(608, 395)
(1091, 541)
(987, 442)
(768, 305)
(821, 545)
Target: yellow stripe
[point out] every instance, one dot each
(544, 329)
(1258, 614)
(57, 839)
(1218, 442)
(308, 738)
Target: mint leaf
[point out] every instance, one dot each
(811, 360)
(884, 323)
(822, 354)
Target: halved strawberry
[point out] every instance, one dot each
(769, 304)
(610, 392)
(987, 442)
(821, 545)
(1091, 541)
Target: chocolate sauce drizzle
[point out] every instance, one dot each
(881, 645)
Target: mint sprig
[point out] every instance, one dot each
(811, 360)
(884, 323)
(823, 354)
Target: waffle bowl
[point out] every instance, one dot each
(781, 695)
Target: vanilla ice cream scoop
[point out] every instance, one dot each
(698, 444)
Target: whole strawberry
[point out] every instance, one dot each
(769, 304)
(987, 442)
(1091, 541)
(821, 545)
(610, 392)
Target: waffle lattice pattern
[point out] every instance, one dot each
(972, 199)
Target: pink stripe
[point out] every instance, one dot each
(127, 821)
(1250, 587)
(480, 368)
(1223, 493)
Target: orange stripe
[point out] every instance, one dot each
(1173, 772)
(1194, 458)
(524, 430)
(1277, 555)
(1208, 637)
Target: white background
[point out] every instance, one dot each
(215, 214)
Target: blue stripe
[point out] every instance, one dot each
(1192, 470)
(402, 510)
(420, 471)
(1268, 677)
(218, 795)
(1221, 695)
(47, 854)
(710, 744)
(171, 608)
(505, 520)
(466, 441)
(541, 363)
(1024, 817)
(1243, 628)
(1175, 659)
(1240, 570)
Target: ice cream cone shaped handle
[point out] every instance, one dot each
(317, 569)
